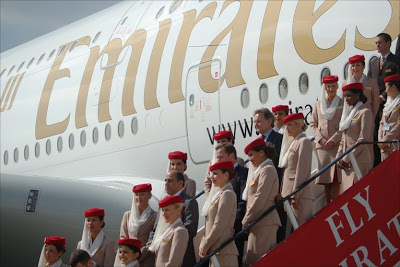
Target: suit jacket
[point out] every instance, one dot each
(144, 230)
(298, 169)
(390, 67)
(359, 130)
(261, 194)
(190, 219)
(190, 186)
(219, 223)
(276, 139)
(394, 122)
(173, 247)
(371, 91)
(239, 184)
(105, 255)
(322, 128)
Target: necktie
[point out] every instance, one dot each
(382, 62)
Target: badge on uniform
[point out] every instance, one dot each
(212, 204)
(165, 241)
(386, 127)
(388, 70)
(252, 183)
(368, 88)
(355, 119)
(291, 150)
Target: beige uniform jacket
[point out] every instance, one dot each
(298, 169)
(359, 130)
(144, 230)
(371, 91)
(394, 130)
(219, 222)
(105, 255)
(190, 186)
(328, 129)
(261, 194)
(173, 247)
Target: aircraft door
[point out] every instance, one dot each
(202, 111)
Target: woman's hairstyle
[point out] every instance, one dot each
(397, 84)
(304, 127)
(60, 248)
(232, 174)
(102, 220)
(362, 97)
(268, 148)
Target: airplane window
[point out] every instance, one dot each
(283, 88)
(37, 149)
(48, 147)
(191, 100)
(40, 59)
(51, 55)
(95, 135)
(174, 5)
(73, 46)
(20, 66)
(5, 157)
(11, 70)
(325, 72)
(30, 63)
(96, 37)
(61, 51)
(245, 98)
(346, 70)
(16, 155)
(83, 138)
(1, 75)
(71, 141)
(263, 93)
(121, 129)
(303, 83)
(26, 152)
(123, 22)
(107, 132)
(159, 13)
(59, 144)
(134, 125)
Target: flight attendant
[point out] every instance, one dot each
(280, 112)
(171, 237)
(219, 138)
(356, 126)
(177, 161)
(139, 221)
(220, 216)
(325, 127)
(99, 247)
(53, 249)
(389, 128)
(260, 192)
(128, 252)
(296, 156)
(371, 91)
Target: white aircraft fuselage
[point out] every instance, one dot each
(115, 92)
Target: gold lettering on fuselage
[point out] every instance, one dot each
(393, 29)
(189, 22)
(7, 89)
(304, 19)
(43, 129)
(233, 73)
(150, 91)
(265, 57)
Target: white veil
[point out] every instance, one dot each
(328, 111)
(213, 189)
(86, 243)
(348, 114)
(389, 105)
(252, 172)
(42, 259)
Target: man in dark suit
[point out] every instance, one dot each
(174, 183)
(227, 152)
(380, 68)
(263, 120)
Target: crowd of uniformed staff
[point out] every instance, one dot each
(366, 109)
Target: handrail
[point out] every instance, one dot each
(279, 203)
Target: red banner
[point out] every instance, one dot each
(361, 227)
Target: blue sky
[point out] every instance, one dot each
(22, 21)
